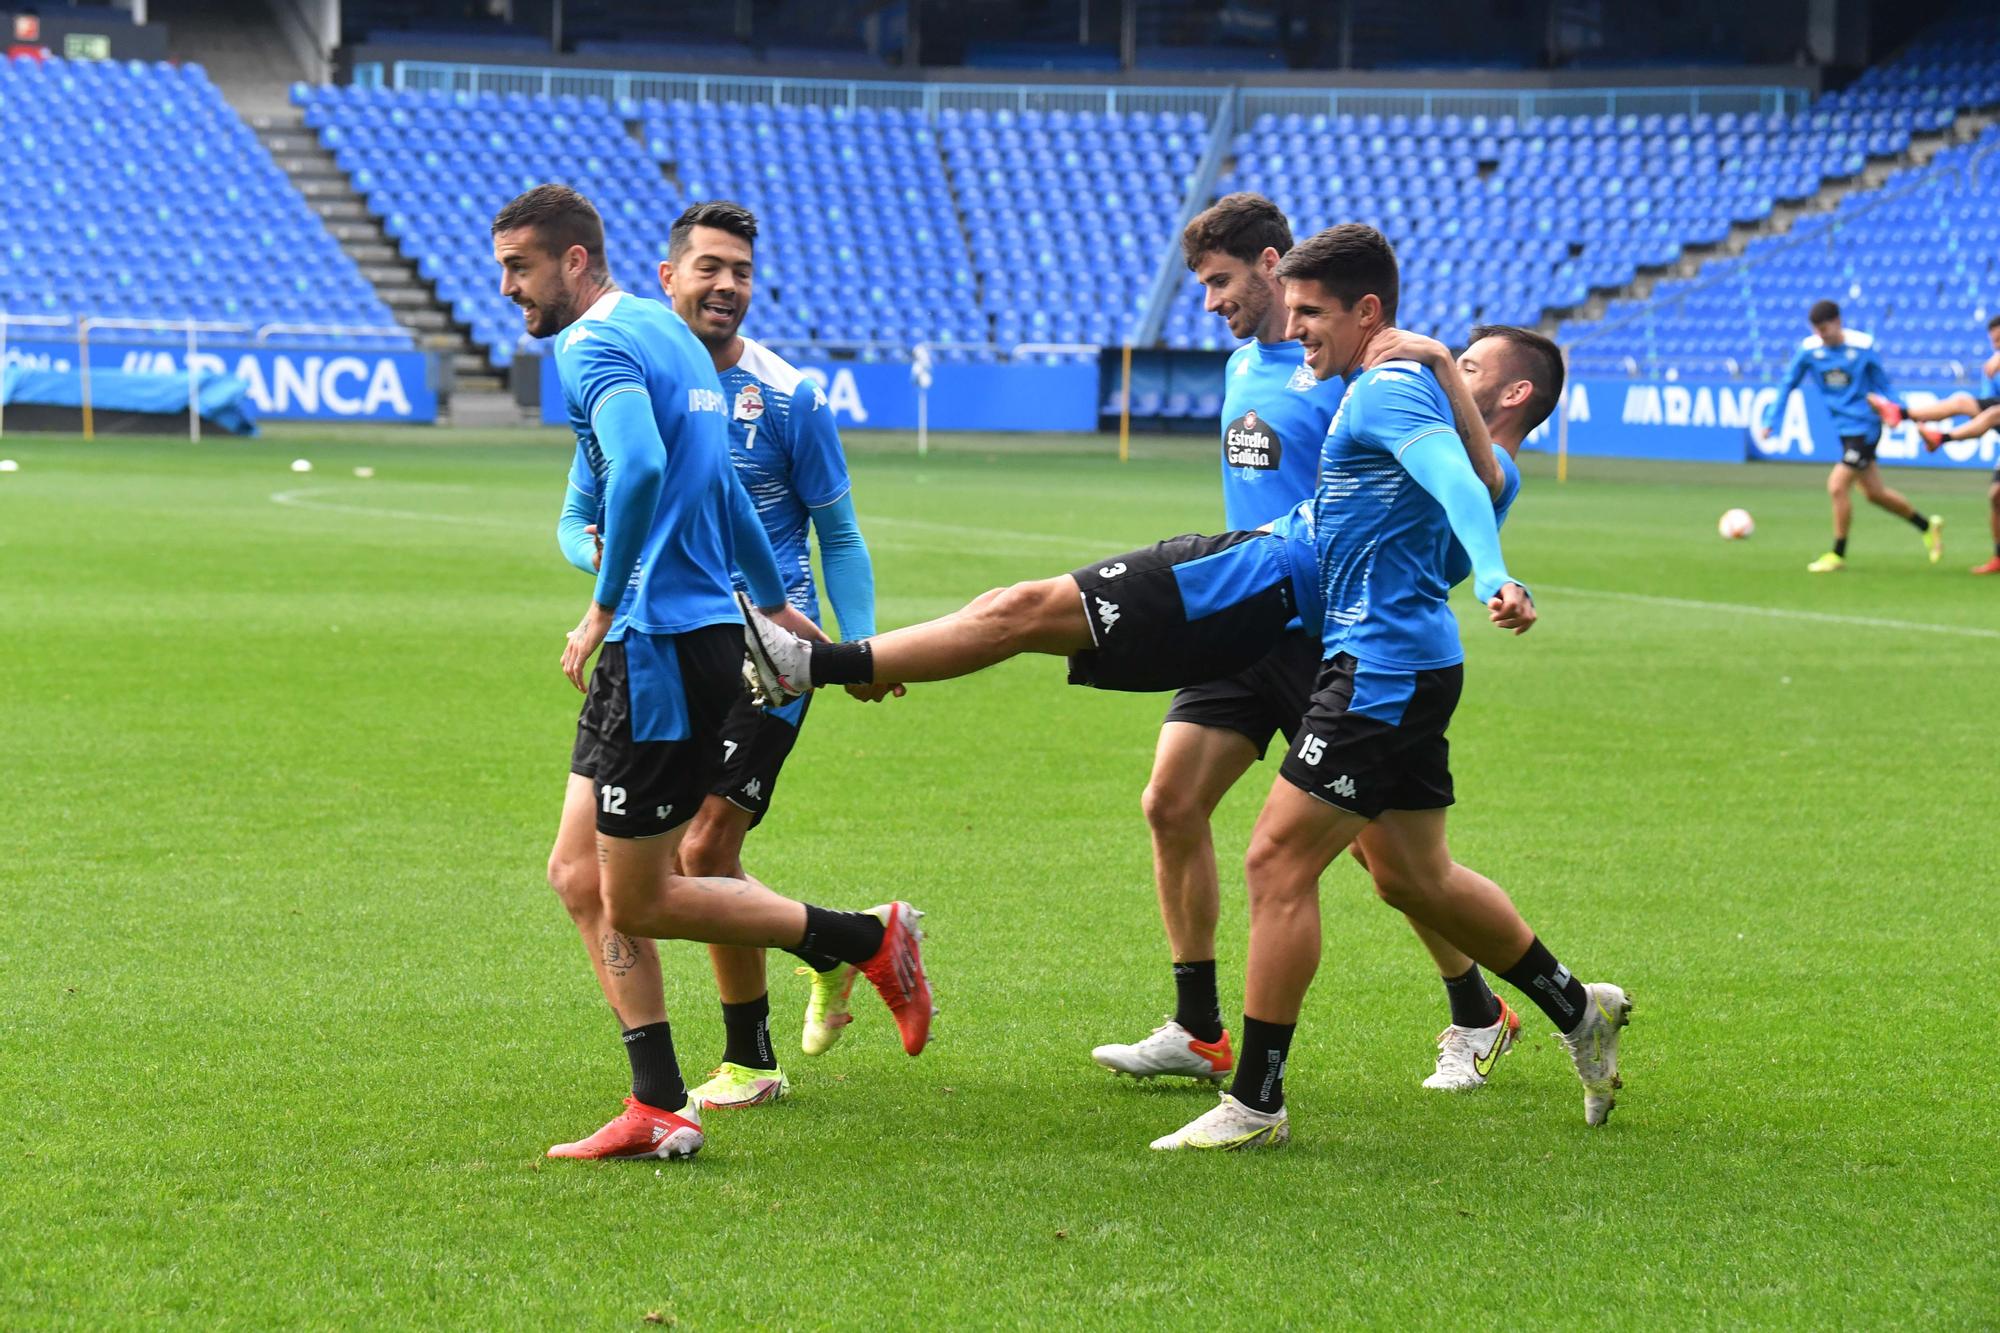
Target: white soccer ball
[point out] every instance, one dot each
(302, 465)
(9, 465)
(364, 472)
(1736, 524)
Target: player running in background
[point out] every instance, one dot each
(1983, 411)
(788, 457)
(649, 416)
(1844, 363)
(1395, 489)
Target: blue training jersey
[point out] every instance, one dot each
(787, 455)
(1274, 418)
(1381, 540)
(627, 344)
(1295, 530)
(1846, 375)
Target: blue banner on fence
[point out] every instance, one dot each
(286, 382)
(882, 396)
(1716, 421)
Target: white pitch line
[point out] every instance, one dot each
(300, 499)
(1775, 612)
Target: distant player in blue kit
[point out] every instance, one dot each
(1982, 410)
(787, 455)
(651, 425)
(1848, 371)
(1396, 489)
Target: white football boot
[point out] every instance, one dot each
(780, 659)
(1228, 1127)
(1467, 1055)
(1593, 1047)
(1169, 1049)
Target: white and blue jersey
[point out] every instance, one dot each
(1392, 464)
(787, 455)
(1274, 418)
(1846, 375)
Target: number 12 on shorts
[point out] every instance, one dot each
(613, 800)
(1312, 749)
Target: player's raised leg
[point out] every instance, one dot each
(1193, 766)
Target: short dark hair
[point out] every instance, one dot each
(717, 213)
(1242, 226)
(560, 217)
(1821, 312)
(1536, 360)
(1351, 260)
(1993, 323)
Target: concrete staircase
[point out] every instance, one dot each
(1923, 147)
(412, 298)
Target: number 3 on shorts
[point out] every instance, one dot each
(614, 800)
(1312, 749)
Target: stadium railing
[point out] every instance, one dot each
(931, 98)
(1813, 229)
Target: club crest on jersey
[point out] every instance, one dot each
(1302, 380)
(749, 403)
(1250, 442)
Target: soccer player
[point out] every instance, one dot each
(649, 415)
(1984, 413)
(788, 457)
(1844, 364)
(1395, 489)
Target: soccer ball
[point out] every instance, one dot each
(1736, 524)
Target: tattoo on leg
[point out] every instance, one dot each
(621, 953)
(603, 855)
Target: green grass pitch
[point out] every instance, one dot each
(288, 1015)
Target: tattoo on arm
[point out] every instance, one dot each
(621, 953)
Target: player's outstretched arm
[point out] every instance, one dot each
(1438, 464)
(1795, 375)
(1402, 345)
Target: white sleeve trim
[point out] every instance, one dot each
(623, 388)
(828, 504)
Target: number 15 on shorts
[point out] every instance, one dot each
(1312, 749)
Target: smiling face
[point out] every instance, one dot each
(539, 280)
(1241, 291)
(709, 281)
(1490, 373)
(1332, 332)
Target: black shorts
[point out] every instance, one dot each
(755, 744)
(678, 691)
(1858, 451)
(1986, 404)
(1373, 739)
(1186, 611)
(1260, 701)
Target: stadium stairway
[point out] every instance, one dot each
(331, 194)
(1923, 147)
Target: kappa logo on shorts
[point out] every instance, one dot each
(663, 811)
(754, 788)
(1342, 786)
(1107, 612)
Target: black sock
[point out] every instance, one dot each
(1548, 983)
(1260, 1065)
(1473, 1003)
(746, 1031)
(850, 937)
(1195, 1005)
(818, 962)
(656, 1074)
(1996, 550)
(1920, 523)
(843, 663)
(1840, 547)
